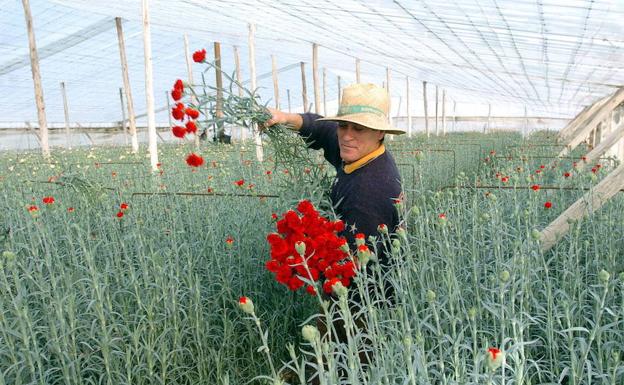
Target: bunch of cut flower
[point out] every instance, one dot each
(246, 110)
(307, 248)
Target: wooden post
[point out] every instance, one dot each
(315, 79)
(585, 113)
(426, 112)
(34, 66)
(123, 116)
(357, 70)
(605, 145)
(168, 108)
(388, 77)
(252, 71)
(454, 116)
(304, 90)
(66, 113)
(238, 71)
(444, 112)
(152, 138)
(437, 130)
(339, 91)
(525, 132)
(289, 105)
(592, 121)
(239, 85)
(189, 70)
(586, 205)
(324, 91)
(275, 81)
(407, 107)
(126, 86)
(219, 86)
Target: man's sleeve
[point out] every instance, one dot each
(321, 135)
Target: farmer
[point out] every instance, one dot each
(367, 182)
(367, 179)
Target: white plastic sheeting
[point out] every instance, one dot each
(552, 56)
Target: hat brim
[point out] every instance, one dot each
(366, 120)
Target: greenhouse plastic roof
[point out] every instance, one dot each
(554, 57)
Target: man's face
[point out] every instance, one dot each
(357, 141)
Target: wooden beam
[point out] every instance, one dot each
(304, 88)
(324, 91)
(219, 87)
(437, 129)
(407, 107)
(573, 124)
(444, 112)
(586, 205)
(123, 116)
(66, 114)
(152, 138)
(426, 112)
(592, 122)
(36, 75)
(388, 77)
(126, 86)
(315, 79)
(252, 74)
(275, 81)
(605, 145)
(357, 70)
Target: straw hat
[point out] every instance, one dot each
(365, 104)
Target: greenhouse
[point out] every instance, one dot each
(312, 192)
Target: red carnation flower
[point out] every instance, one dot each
(123, 206)
(240, 182)
(178, 112)
(178, 85)
(535, 187)
(176, 94)
(48, 200)
(191, 127)
(33, 208)
(547, 205)
(192, 113)
(178, 131)
(70, 209)
(120, 214)
(567, 175)
(194, 160)
(199, 56)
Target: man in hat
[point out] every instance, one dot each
(367, 182)
(367, 179)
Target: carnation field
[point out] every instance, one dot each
(132, 277)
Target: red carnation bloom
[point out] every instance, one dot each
(535, 187)
(120, 214)
(194, 160)
(48, 200)
(547, 205)
(192, 113)
(240, 182)
(191, 127)
(33, 208)
(176, 94)
(178, 131)
(178, 85)
(70, 209)
(199, 56)
(123, 206)
(178, 112)
(566, 175)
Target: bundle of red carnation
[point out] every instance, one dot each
(307, 245)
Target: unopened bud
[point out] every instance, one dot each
(603, 276)
(430, 296)
(504, 276)
(300, 247)
(383, 229)
(310, 333)
(339, 290)
(495, 358)
(536, 235)
(246, 305)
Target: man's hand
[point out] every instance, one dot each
(293, 121)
